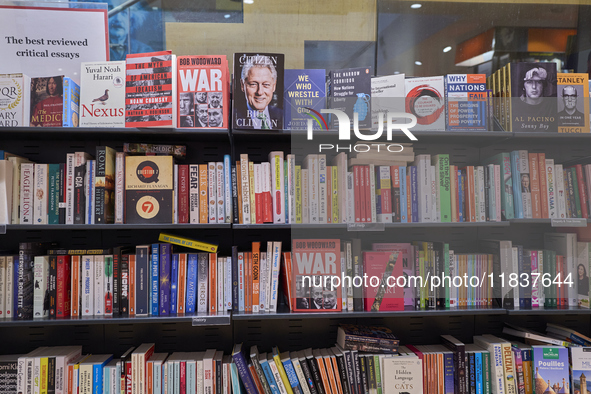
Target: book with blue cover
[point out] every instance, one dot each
(191, 283)
(303, 89)
(466, 102)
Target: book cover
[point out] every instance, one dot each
(381, 295)
(148, 189)
(150, 90)
(387, 95)
(573, 102)
(425, 98)
(102, 94)
(581, 368)
(466, 107)
(104, 183)
(551, 368)
(258, 91)
(47, 101)
(203, 92)
(14, 107)
(402, 375)
(314, 259)
(304, 90)
(349, 90)
(71, 113)
(533, 97)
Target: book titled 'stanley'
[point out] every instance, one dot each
(102, 94)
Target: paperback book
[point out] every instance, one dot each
(573, 102)
(349, 90)
(102, 94)
(425, 99)
(14, 101)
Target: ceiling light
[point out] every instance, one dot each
(446, 49)
(227, 16)
(396, 72)
(416, 6)
(248, 1)
(418, 63)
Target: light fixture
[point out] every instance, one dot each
(248, 1)
(416, 6)
(396, 72)
(227, 16)
(418, 63)
(446, 49)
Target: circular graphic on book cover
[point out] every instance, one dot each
(10, 94)
(147, 207)
(118, 82)
(426, 103)
(147, 172)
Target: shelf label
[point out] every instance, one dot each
(211, 320)
(366, 226)
(2, 229)
(573, 222)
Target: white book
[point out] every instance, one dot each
(6, 193)
(41, 286)
(350, 198)
(99, 286)
(119, 186)
(258, 188)
(263, 283)
(14, 108)
(429, 106)
(341, 162)
(372, 192)
(3, 286)
(300, 372)
(277, 186)
(69, 182)
(102, 94)
(208, 371)
(27, 193)
(496, 363)
(561, 212)
(228, 283)
(305, 196)
(311, 165)
(220, 277)
(525, 193)
(497, 172)
(194, 193)
(424, 187)
(435, 207)
(108, 285)
(269, 275)
(245, 189)
(551, 191)
(87, 285)
(275, 265)
(383, 181)
(515, 268)
(203, 282)
(199, 373)
(481, 195)
(387, 95)
(63, 357)
(16, 187)
(220, 200)
(276, 374)
(253, 205)
(228, 189)
(291, 188)
(266, 166)
(322, 190)
(175, 195)
(8, 306)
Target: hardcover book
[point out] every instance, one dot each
(533, 97)
(367, 338)
(425, 100)
(150, 90)
(148, 189)
(387, 95)
(304, 90)
(14, 103)
(466, 107)
(71, 113)
(203, 92)
(54, 101)
(349, 90)
(573, 102)
(381, 295)
(313, 260)
(402, 375)
(258, 91)
(102, 94)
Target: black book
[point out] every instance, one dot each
(357, 371)
(142, 276)
(439, 249)
(235, 302)
(62, 194)
(51, 375)
(52, 286)
(363, 372)
(471, 363)
(307, 372)
(340, 356)
(459, 353)
(217, 359)
(124, 295)
(371, 374)
(26, 256)
(350, 370)
(254, 358)
(117, 253)
(8, 373)
(357, 272)
(235, 213)
(312, 363)
(80, 187)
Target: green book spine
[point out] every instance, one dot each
(507, 207)
(486, 367)
(378, 374)
(53, 172)
(444, 187)
(579, 212)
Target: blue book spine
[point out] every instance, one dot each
(97, 375)
(479, 374)
(107, 382)
(235, 301)
(244, 373)
(516, 178)
(269, 376)
(448, 362)
(403, 196)
(228, 189)
(414, 193)
(235, 379)
(303, 89)
(155, 258)
(71, 103)
(460, 197)
(15, 290)
(291, 374)
(191, 283)
(174, 277)
(142, 274)
(90, 207)
(165, 266)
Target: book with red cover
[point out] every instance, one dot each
(213, 264)
(183, 202)
(384, 294)
(312, 261)
(63, 286)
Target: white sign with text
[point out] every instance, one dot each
(43, 41)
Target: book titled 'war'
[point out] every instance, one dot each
(14, 100)
(148, 189)
(102, 96)
(150, 90)
(203, 92)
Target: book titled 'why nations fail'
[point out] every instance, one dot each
(102, 97)
(150, 90)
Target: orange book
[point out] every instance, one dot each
(213, 267)
(75, 290)
(329, 371)
(408, 201)
(131, 281)
(286, 277)
(440, 373)
(322, 369)
(203, 203)
(534, 178)
(335, 369)
(239, 187)
(150, 377)
(256, 269)
(255, 378)
(182, 283)
(248, 282)
(543, 185)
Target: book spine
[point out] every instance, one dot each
(298, 194)
(98, 293)
(79, 194)
(220, 202)
(61, 194)
(27, 192)
(119, 187)
(213, 283)
(165, 277)
(244, 182)
(53, 175)
(203, 200)
(108, 285)
(63, 287)
(183, 193)
(154, 279)
(235, 196)
(559, 191)
(100, 185)
(174, 277)
(203, 283)
(211, 191)
(75, 286)
(193, 193)
(87, 289)
(228, 190)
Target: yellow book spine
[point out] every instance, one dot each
(253, 208)
(43, 377)
(298, 193)
(284, 378)
(189, 243)
(335, 194)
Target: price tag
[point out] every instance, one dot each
(210, 320)
(366, 226)
(572, 222)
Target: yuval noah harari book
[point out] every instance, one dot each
(313, 260)
(203, 92)
(14, 100)
(150, 89)
(258, 91)
(102, 94)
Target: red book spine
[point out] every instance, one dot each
(367, 190)
(183, 193)
(128, 381)
(258, 199)
(582, 190)
(63, 286)
(543, 185)
(183, 373)
(213, 284)
(267, 208)
(356, 192)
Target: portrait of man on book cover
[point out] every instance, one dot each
(570, 106)
(258, 91)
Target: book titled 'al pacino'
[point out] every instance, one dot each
(313, 260)
(148, 189)
(150, 90)
(425, 100)
(466, 102)
(203, 92)
(102, 94)
(258, 91)
(303, 89)
(14, 100)
(349, 90)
